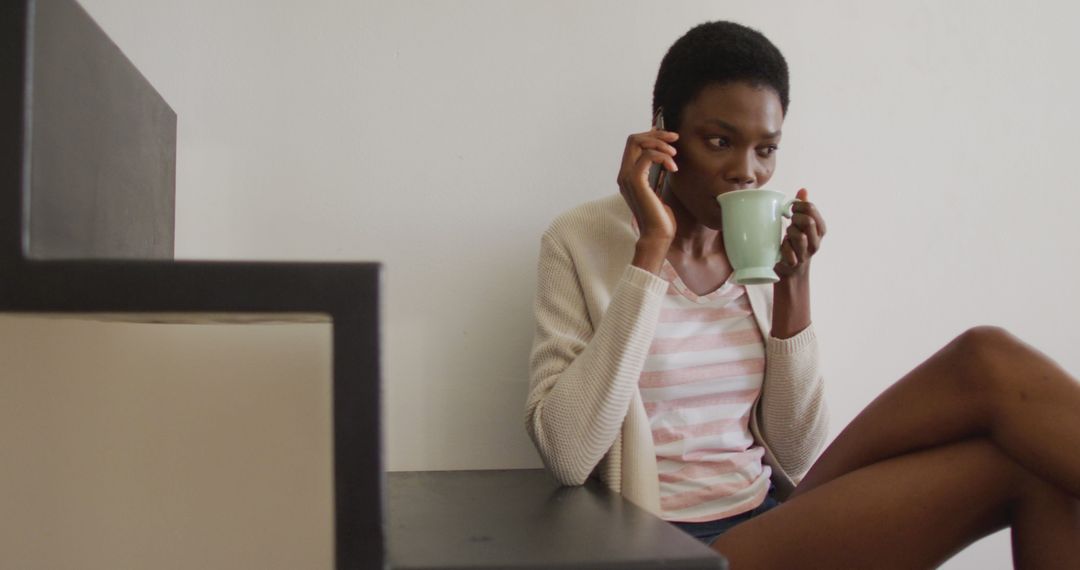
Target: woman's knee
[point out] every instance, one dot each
(981, 352)
(993, 367)
(980, 359)
(985, 340)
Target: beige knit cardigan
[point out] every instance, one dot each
(595, 319)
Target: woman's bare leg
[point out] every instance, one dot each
(986, 383)
(913, 511)
(1046, 528)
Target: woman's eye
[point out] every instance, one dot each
(768, 150)
(717, 142)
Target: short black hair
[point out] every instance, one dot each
(717, 52)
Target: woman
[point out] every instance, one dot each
(701, 401)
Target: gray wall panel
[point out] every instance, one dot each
(103, 149)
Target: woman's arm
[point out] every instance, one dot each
(794, 416)
(791, 305)
(581, 378)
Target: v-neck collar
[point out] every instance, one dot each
(727, 290)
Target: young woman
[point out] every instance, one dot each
(701, 400)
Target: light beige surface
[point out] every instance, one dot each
(129, 445)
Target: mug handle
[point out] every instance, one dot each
(787, 212)
(786, 209)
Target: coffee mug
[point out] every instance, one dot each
(752, 227)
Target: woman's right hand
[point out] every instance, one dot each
(656, 221)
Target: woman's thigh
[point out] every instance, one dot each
(985, 383)
(909, 511)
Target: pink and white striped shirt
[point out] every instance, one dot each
(702, 375)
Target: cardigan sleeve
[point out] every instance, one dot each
(795, 420)
(582, 375)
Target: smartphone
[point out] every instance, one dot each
(657, 172)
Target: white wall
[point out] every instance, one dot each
(441, 137)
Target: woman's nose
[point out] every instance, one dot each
(740, 171)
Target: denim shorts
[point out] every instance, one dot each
(709, 531)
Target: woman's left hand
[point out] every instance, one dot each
(803, 239)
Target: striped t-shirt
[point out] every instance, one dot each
(701, 378)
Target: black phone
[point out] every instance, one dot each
(657, 172)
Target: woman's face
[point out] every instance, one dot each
(728, 139)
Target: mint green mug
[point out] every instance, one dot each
(752, 226)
